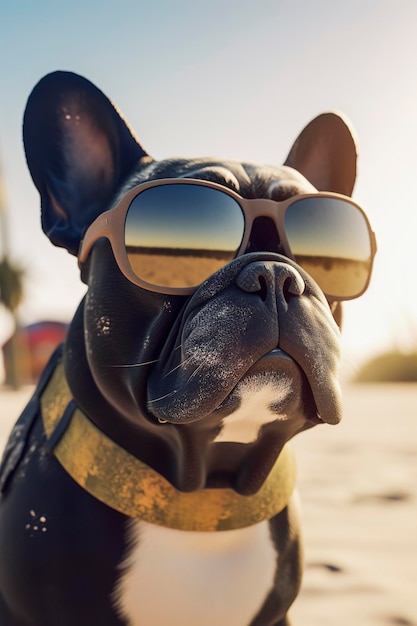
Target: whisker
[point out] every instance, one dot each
(194, 373)
(136, 364)
(179, 366)
(167, 395)
(197, 369)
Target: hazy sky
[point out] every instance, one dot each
(236, 79)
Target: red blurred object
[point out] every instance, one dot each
(29, 349)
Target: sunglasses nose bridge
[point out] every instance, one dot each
(264, 207)
(259, 209)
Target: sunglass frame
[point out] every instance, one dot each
(111, 225)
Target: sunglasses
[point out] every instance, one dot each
(169, 236)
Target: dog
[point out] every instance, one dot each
(149, 480)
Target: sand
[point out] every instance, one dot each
(358, 485)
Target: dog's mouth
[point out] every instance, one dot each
(222, 385)
(274, 388)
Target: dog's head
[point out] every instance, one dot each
(205, 386)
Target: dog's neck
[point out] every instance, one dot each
(123, 482)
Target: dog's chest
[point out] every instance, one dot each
(185, 578)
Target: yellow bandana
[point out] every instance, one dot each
(123, 482)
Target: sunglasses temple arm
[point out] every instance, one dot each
(99, 228)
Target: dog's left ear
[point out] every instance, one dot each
(326, 154)
(79, 151)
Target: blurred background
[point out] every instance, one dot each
(240, 79)
(231, 78)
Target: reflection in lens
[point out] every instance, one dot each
(177, 235)
(330, 239)
(185, 270)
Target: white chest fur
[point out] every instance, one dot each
(185, 578)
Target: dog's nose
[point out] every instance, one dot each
(262, 276)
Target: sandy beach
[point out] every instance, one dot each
(358, 485)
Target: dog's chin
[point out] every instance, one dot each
(268, 406)
(274, 387)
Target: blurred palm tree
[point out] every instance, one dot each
(11, 284)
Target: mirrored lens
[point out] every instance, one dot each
(330, 239)
(178, 235)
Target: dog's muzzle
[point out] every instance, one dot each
(256, 308)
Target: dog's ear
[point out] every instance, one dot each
(326, 154)
(79, 150)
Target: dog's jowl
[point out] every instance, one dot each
(149, 481)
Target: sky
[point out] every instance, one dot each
(235, 79)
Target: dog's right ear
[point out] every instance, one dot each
(79, 151)
(326, 153)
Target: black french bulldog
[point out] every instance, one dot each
(148, 481)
